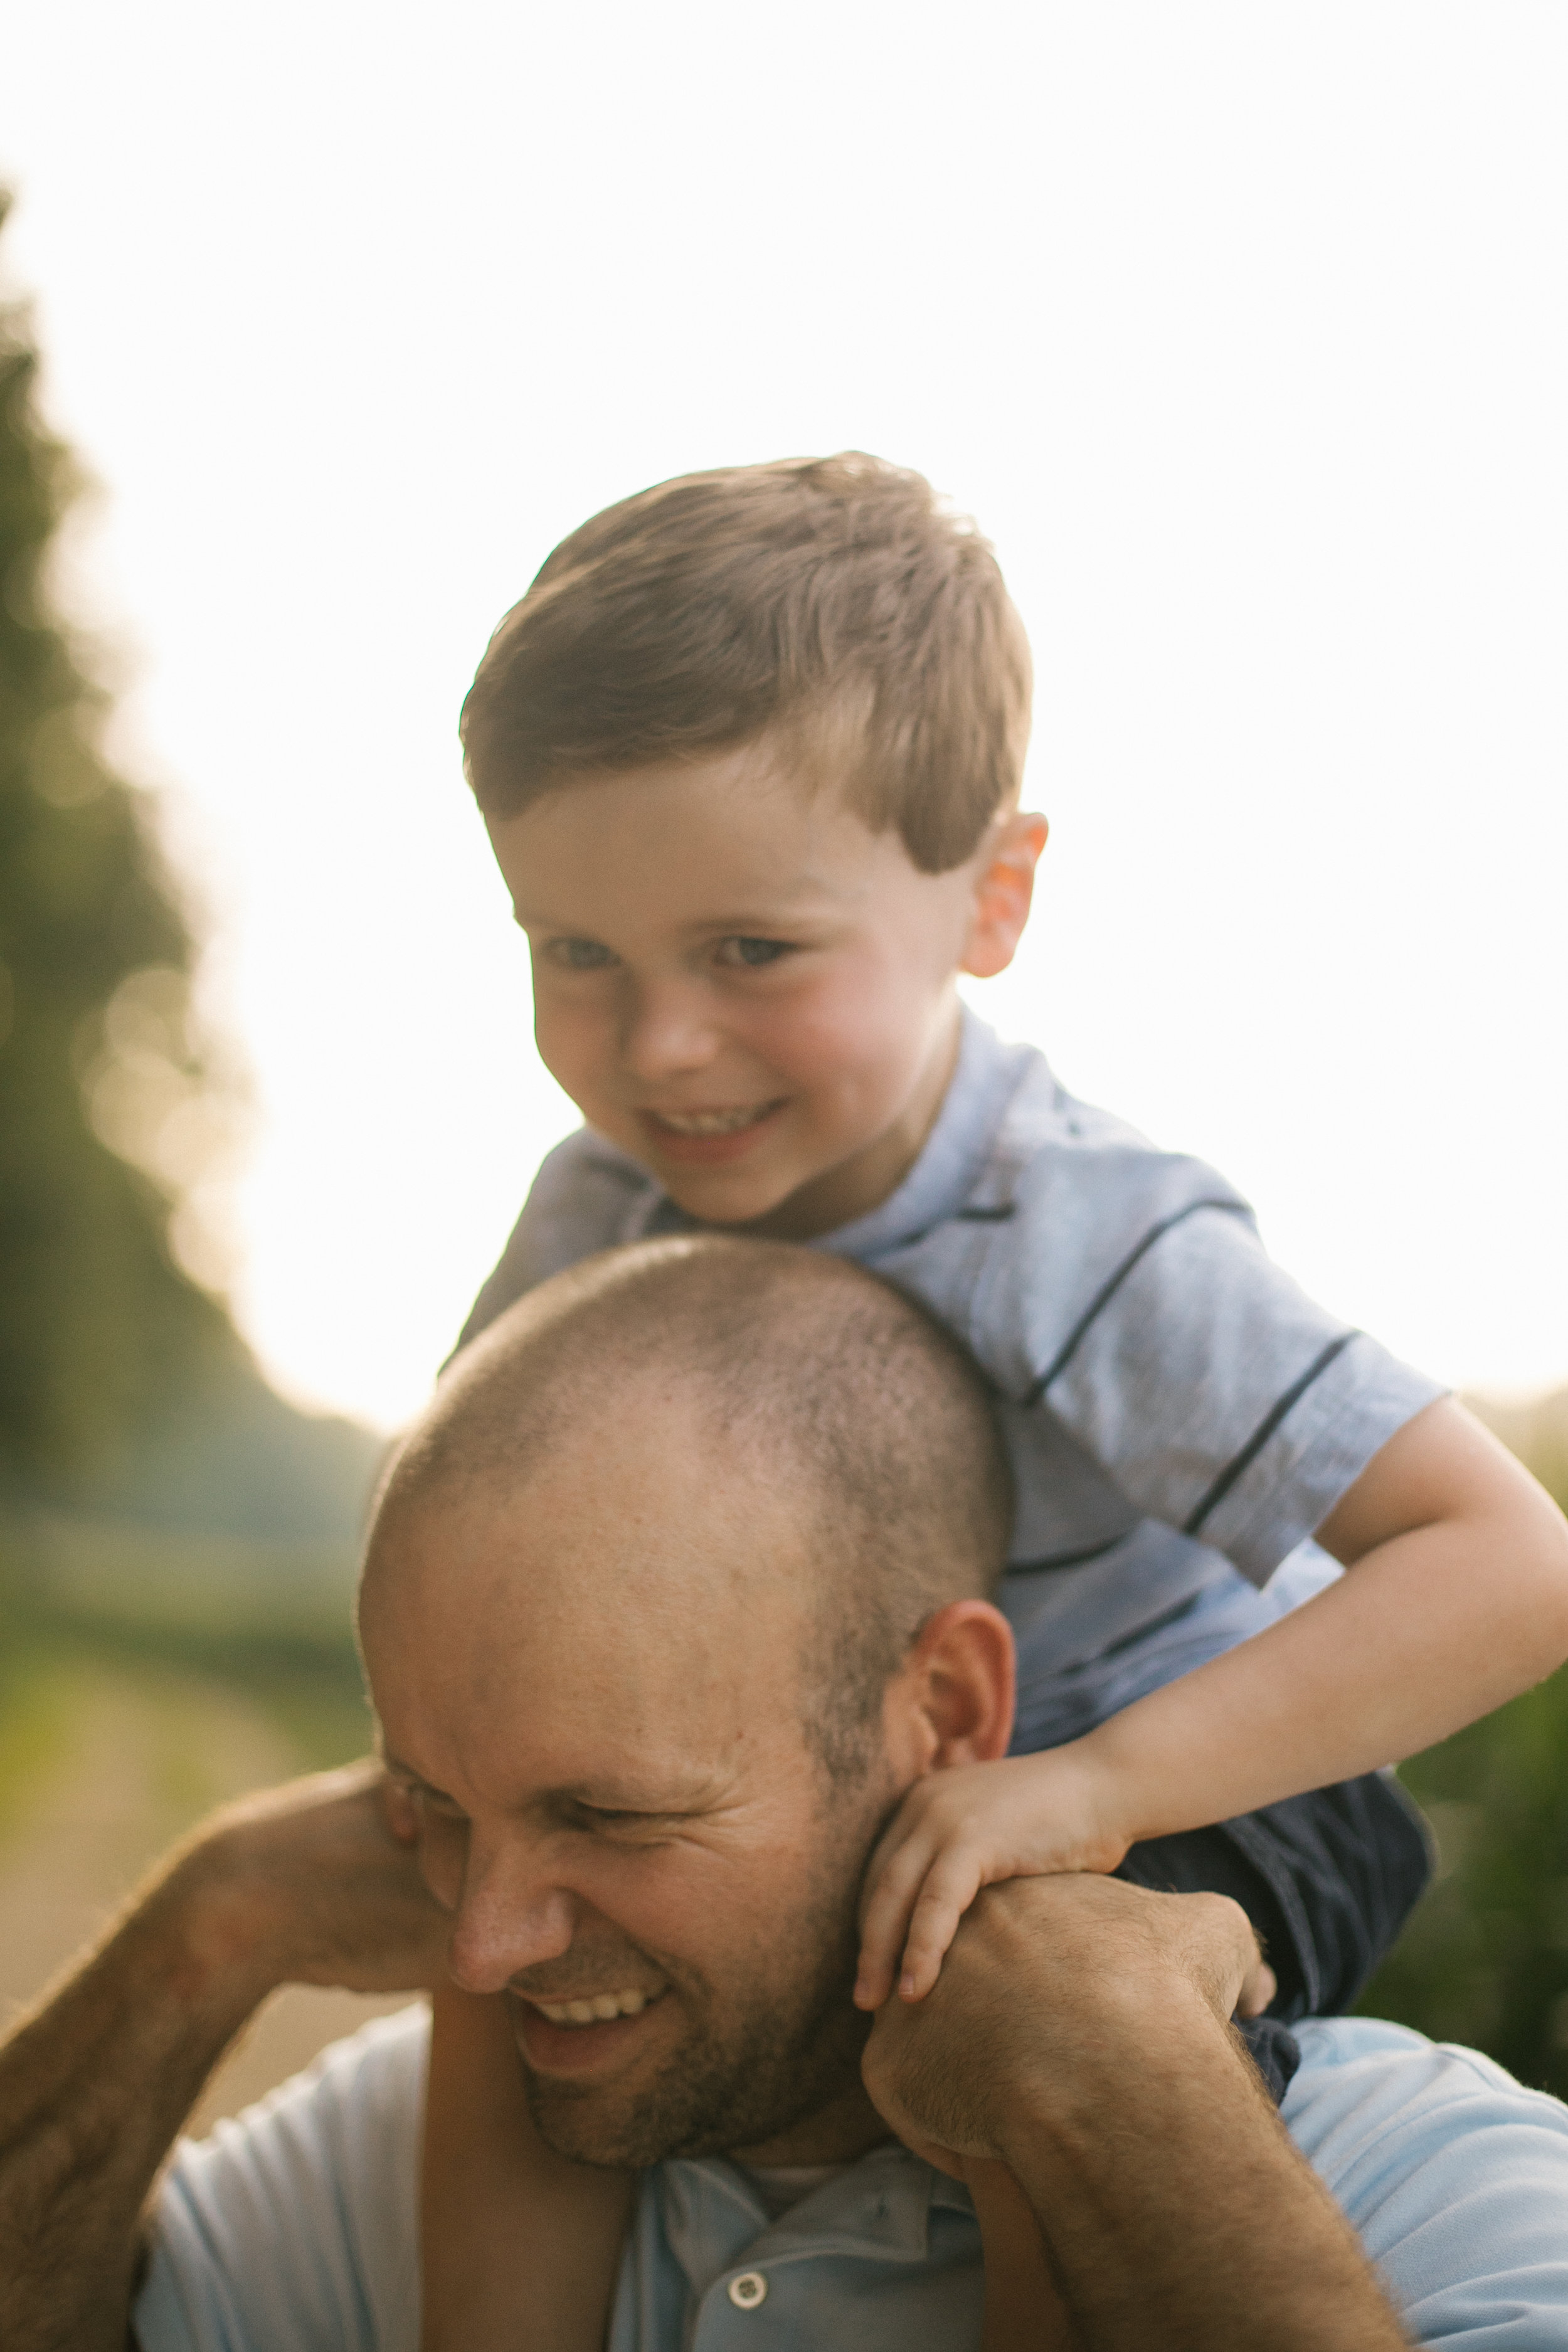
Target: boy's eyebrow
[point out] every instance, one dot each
(800, 904)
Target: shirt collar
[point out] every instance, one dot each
(947, 1168)
(879, 2206)
(954, 1156)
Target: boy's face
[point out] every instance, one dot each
(745, 988)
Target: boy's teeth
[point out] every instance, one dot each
(599, 2009)
(711, 1122)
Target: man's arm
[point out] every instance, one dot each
(307, 1884)
(1078, 2036)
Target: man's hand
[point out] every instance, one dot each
(1038, 1964)
(315, 1883)
(1079, 2037)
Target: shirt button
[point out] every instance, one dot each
(747, 2291)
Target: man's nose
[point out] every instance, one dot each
(668, 1030)
(511, 1915)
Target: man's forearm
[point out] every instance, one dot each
(93, 2088)
(1174, 2208)
(303, 1884)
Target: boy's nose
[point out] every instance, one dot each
(668, 1031)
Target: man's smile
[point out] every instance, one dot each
(591, 2008)
(581, 2035)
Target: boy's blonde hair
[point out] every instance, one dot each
(831, 603)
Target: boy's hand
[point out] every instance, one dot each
(960, 1830)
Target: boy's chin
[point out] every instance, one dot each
(723, 1185)
(716, 1203)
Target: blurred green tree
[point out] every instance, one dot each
(1485, 1958)
(99, 1324)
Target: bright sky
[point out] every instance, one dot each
(1241, 329)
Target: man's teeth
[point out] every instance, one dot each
(711, 1122)
(598, 2010)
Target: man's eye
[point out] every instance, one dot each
(615, 1821)
(578, 955)
(750, 954)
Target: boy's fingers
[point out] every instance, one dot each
(885, 1921)
(951, 1884)
(906, 1829)
(1259, 1990)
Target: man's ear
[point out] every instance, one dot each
(959, 1686)
(1003, 888)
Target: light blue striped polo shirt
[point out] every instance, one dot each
(1179, 1416)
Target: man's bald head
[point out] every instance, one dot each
(800, 1372)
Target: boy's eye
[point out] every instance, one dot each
(750, 954)
(578, 955)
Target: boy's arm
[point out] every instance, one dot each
(1456, 1598)
(521, 2248)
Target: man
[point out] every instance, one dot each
(660, 1631)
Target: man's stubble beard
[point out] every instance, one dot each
(787, 2054)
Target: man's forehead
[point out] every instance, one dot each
(649, 1650)
(639, 1505)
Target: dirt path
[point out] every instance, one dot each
(142, 1753)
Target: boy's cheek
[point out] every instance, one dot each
(574, 1048)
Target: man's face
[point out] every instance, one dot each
(740, 983)
(591, 1690)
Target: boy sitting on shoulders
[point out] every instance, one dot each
(750, 752)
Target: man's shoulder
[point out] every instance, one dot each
(1368, 2073)
(1455, 2175)
(295, 2223)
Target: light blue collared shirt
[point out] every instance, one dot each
(295, 2229)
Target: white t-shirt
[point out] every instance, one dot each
(295, 2229)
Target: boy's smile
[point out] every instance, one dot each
(740, 984)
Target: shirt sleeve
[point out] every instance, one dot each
(1147, 1317)
(583, 1199)
(294, 2228)
(1455, 2177)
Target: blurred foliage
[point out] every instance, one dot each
(97, 1322)
(162, 1510)
(273, 1623)
(1485, 1958)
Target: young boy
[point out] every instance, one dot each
(750, 754)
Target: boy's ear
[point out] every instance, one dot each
(1002, 891)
